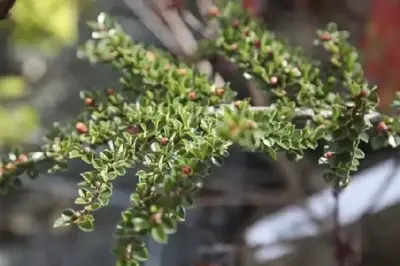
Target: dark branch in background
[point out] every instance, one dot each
(5, 7)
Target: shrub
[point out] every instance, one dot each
(171, 119)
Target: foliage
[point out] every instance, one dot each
(48, 25)
(16, 122)
(172, 120)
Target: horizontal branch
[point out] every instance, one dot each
(300, 113)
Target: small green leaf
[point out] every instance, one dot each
(74, 154)
(359, 154)
(159, 235)
(392, 141)
(86, 224)
(62, 221)
(140, 253)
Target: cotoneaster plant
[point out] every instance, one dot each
(178, 125)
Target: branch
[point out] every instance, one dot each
(300, 113)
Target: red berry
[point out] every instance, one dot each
(364, 93)
(234, 47)
(182, 71)
(192, 95)
(81, 128)
(22, 158)
(236, 23)
(10, 166)
(214, 12)
(89, 101)
(187, 170)
(133, 130)
(246, 32)
(273, 80)
(237, 104)
(382, 127)
(220, 92)
(257, 44)
(325, 36)
(328, 154)
(110, 91)
(157, 218)
(164, 141)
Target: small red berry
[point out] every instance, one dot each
(273, 80)
(157, 218)
(246, 32)
(382, 127)
(237, 104)
(236, 23)
(257, 44)
(220, 92)
(325, 36)
(214, 12)
(164, 141)
(81, 128)
(234, 47)
(22, 158)
(328, 154)
(187, 170)
(89, 101)
(182, 71)
(364, 93)
(110, 91)
(133, 130)
(10, 167)
(192, 95)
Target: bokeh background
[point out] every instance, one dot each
(252, 211)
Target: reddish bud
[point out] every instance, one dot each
(328, 154)
(164, 141)
(187, 170)
(214, 12)
(133, 130)
(236, 23)
(257, 44)
(220, 92)
(237, 104)
(110, 91)
(273, 80)
(246, 32)
(89, 101)
(81, 128)
(364, 93)
(157, 218)
(382, 127)
(192, 95)
(22, 158)
(182, 71)
(325, 36)
(10, 166)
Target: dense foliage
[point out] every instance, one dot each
(175, 122)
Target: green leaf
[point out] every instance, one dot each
(271, 152)
(86, 224)
(159, 235)
(392, 141)
(74, 154)
(359, 154)
(181, 214)
(62, 221)
(140, 253)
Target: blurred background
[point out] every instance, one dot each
(252, 211)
